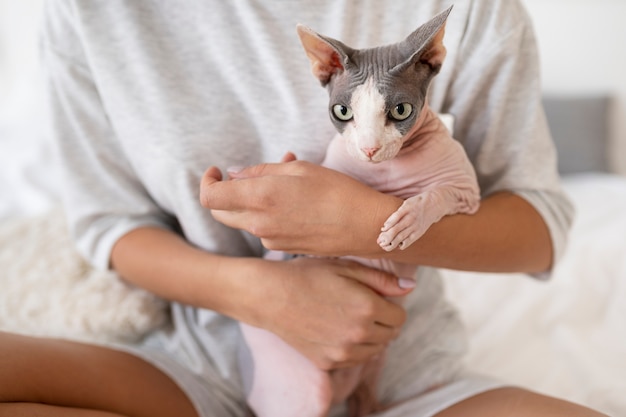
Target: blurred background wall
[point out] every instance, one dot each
(26, 181)
(583, 51)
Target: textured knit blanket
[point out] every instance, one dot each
(48, 289)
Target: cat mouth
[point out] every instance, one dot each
(383, 154)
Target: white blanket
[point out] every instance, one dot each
(47, 289)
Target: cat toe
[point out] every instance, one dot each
(386, 243)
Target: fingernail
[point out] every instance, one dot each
(406, 283)
(234, 170)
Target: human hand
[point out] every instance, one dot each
(300, 207)
(331, 310)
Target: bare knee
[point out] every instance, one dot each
(516, 402)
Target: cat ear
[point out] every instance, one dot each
(425, 45)
(328, 56)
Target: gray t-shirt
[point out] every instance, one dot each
(146, 95)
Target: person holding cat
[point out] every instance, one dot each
(151, 103)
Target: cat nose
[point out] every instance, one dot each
(370, 152)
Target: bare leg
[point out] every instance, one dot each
(83, 377)
(30, 410)
(516, 402)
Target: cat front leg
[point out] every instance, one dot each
(405, 225)
(418, 213)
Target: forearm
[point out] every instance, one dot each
(316, 305)
(300, 208)
(506, 235)
(163, 263)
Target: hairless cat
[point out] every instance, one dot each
(389, 139)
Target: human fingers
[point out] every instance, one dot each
(329, 314)
(225, 195)
(288, 166)
(344, 357)
(212, 175)
(222, 196)
(260, 169)
(330, 356)
(383, 283)
(241, 194)
(288, 157)
(376, 309)
(373, 334)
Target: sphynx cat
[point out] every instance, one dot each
(389, 139)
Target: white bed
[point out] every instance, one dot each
(565, 337)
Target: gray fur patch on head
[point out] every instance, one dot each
(398, 71)
(407, 86)
(377, 94)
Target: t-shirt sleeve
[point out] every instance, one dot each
(496, 98)
(102, 195)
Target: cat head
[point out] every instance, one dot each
(377, 94)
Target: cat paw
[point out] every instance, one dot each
(403, 227)
(388, 241)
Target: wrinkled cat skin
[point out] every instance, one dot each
(390, 140)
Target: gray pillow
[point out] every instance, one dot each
(580, 128)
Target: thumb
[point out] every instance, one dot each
(384, 283)
(210, 177)
(253, 171)
(289, 166)
(261, 170)
(289, 157)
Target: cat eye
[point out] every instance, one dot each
(401, 112)
(342, 112)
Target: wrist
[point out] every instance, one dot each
(367, 245)
(506, 234)
(249, 290)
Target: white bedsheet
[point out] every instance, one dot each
(567, 336)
